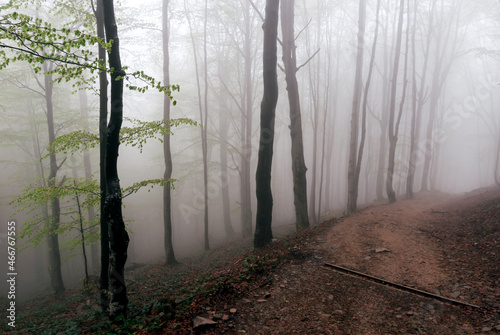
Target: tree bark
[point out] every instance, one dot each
(393, 123)
(203, 110)
(55, 215)
(204, 138)
(352, 181)
(246, 131)
(315, 97)
(263, 231)
(298, 165)
(444, 43)
(94, 252)
(118, 236)
(103, 133)
(497, 163)
(167, 154)
(364, 106)
(418, 102)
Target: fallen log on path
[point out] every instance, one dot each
(399, 286)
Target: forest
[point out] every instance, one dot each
(135, 133)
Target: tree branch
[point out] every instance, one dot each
(257, 10)
(307, 61)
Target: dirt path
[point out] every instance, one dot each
(420, 243)
(392, 242)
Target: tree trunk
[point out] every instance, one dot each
(444, 43)
(203, 109)
(246, 130)
(167, 154)
(118, 236)
(418, 102)
(365, 104)
(103, 133)
(497, 163)
(352, 181)
(394, 124)
(263, 231)
(204, 138)
(315, 94)
(325, 156)
(298, 165)
(223, 131)
(54, 218)
(94, 252)
(384, 118)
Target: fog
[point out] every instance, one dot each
(451, 56)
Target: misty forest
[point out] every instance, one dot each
(162, 160)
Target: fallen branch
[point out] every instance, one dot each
(438, 212)
(401, 287)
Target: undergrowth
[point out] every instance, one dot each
(158, 295)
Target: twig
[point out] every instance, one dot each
(401, 287)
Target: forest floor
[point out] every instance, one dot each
(445, 245)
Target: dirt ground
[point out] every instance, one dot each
(442, 244)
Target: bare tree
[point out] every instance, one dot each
(298, 164)
(263, 231)
(167, 153)
(118, 236)
(393, 121)
(246, 127)
(356, 153)
(203, 109)
(103, 133)
(55, 213)
(419, 97)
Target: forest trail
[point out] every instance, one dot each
(445, 245)
(394, 242)
(431, 243)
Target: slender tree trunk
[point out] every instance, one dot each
(103, 133)
(352, 181)
(223, 140)
(444, 43)
(325, 154)
(263, 231)
(298, 165)
(418, 101)
(497, 163)
(384, 118)
(394, 124)
(365, 103)
(224, 126)
(167, 154)
(203, 109)
(315, 94)
(118, 236)
(82, 236)
(204, 130)
(54, 218)
(94, 252)
(246, 130)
